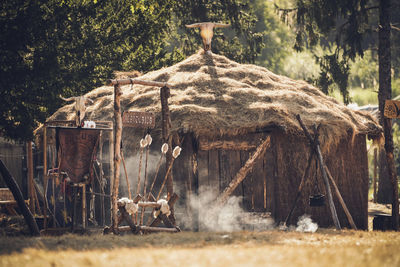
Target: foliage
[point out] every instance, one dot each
(68, 47)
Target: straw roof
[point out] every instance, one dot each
(213, 96)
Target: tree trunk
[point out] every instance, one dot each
(384, 195)
(385, 92)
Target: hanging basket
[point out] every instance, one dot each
(317, 200)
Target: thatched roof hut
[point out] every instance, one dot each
(223, 109)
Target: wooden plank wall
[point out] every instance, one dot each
(13, 156)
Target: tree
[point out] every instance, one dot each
(68, 47)
(347, 21)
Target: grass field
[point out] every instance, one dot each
(271, 248)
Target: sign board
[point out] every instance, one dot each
(392, 109)
(138, 119)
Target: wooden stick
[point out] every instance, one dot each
(149, 205)
(126, 176)
(137, 81)
(375, 171)
(300, 189)
(139, 171)
(117, 153)
(100, 177)
(165, 178)
(242, 173)
(155, 176)
(145, 182)
(15, 190)
(317, 150)
(341, 201)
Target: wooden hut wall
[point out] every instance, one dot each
(273, 183)
(348, 165)
(13, 156)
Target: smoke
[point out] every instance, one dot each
(132, 166)
(228, 218)
(305, 224)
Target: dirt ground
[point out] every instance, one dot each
(326, 247)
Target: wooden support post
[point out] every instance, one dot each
(166, 126)
(117, 153)
(15, 190)
(84, 213)
(102, 210)
(242, 173)
(317, 150)
(112, 170)
(375, 171)
(341, 201)
(171, 203)
(45, 176)
(31, 187)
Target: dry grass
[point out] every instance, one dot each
(273, 248)
(212, 95)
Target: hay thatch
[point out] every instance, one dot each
(212, 95)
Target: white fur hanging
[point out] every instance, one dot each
(176, 152)
(130, 206)
(148, 138)
(143, 143)
(164, 207)
(164, 148)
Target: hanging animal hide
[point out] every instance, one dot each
(77, 152)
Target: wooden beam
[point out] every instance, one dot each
(225, 145)
(341, 201)
(138, 81)
(149, 229)
(117, 154)
(15, 190)
(242, 173)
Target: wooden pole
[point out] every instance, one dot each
(341, 201)
(145, 182)
(15, 190)
(102, 211)
(138, 81)
(112, 170)
(165, 179)
(139, 171)
(117, 154)
(375, 171)
(45, 176)
(317, 150)
(126, 176)
(166, 126)
(84, 213)
(242, 173)
(30, 177)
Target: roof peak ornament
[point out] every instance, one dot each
(207, 32)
